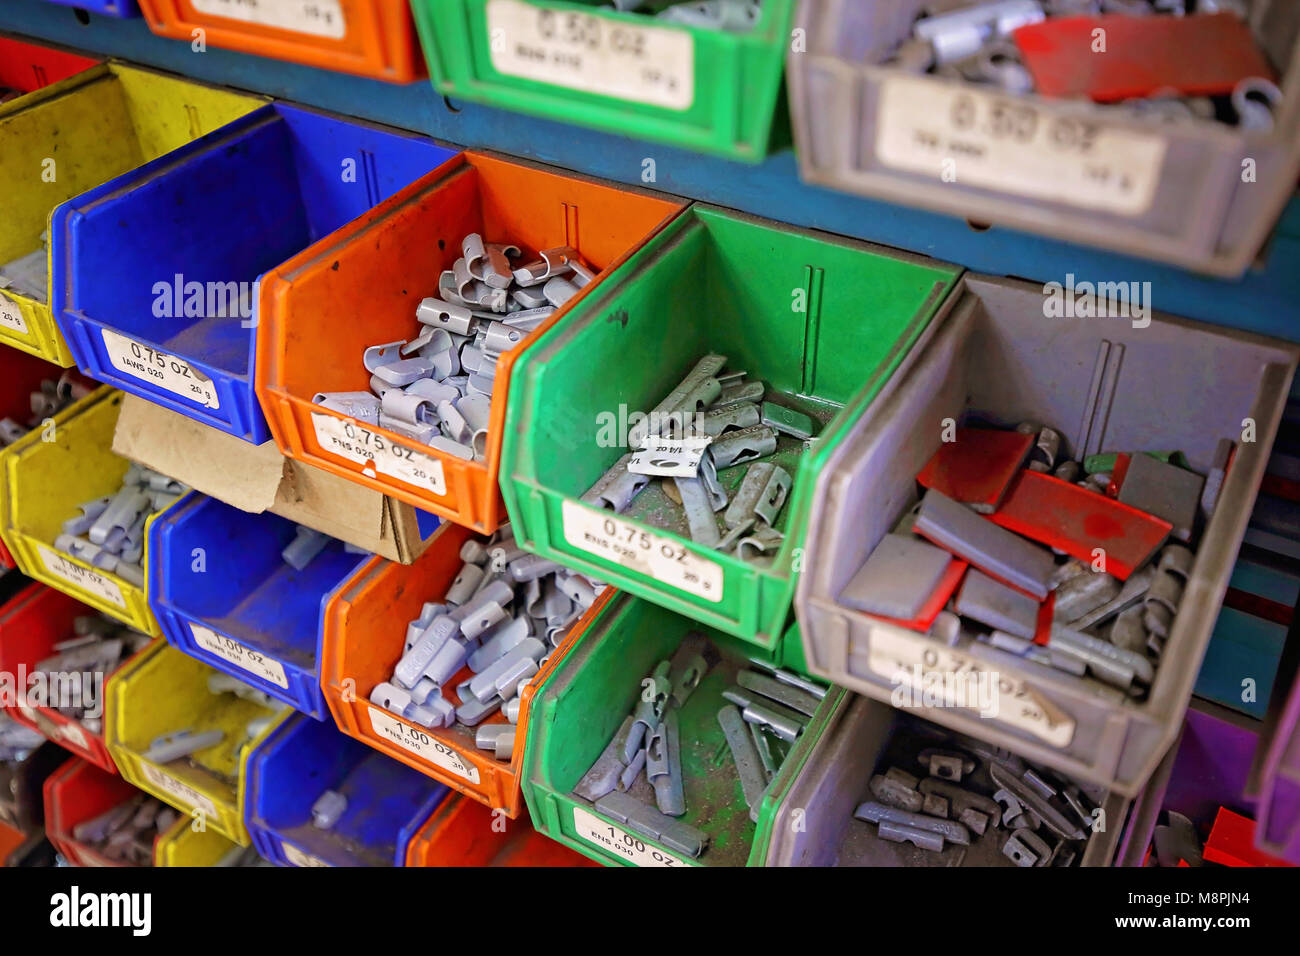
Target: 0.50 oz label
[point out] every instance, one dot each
(422, 745)
(158, 368)
(595, 54)
(966, 137)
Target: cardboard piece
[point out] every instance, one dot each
(257, 478)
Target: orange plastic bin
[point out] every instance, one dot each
(28, 67)
(374, 38)
(360, 287)
(464, 833)
(30, 626)
(365, 629)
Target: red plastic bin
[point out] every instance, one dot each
(462, 832)
(30, 626)
(28, 66)
(374, 38)
(76, 792)
(360, 286)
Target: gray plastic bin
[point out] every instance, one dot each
(1167, 191)
(815, 826)
(1172, 384)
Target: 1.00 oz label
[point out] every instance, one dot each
(245, 658)
(422, 745)
(618, 841)
(84, 578)
(181, 791)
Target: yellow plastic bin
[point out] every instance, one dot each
(161, 691)
(44, 476)
(69, 137)
(187, 845)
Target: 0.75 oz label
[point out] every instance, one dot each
(181, 791)
(966, 137)
(11, 317)
(158, 368)
(612, 538)
(422, 745)
(931, 668)
(356, 442)
(97, 584)
(321, 18)
(242, 656)
(595, 54)
(616, 840)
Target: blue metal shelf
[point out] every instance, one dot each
(1265, 301)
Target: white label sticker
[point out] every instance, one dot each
(298, 858)
(181, 791)
(595, 54)
(11, 317)
(321, 18)
(940, 676)
(670, 456)
(616, 840)
(422, 745)
(158, 368)
(97, 584)
(242, 656)
(612, 538)
(29, 712)
(963, 136)
(356, 442)
(74, 735)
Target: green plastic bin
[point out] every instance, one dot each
(823, 320)
(628, 73)
(581, 705)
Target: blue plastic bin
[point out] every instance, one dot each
(223, 594)
(387, 802)
(108, 8)
(155, 272)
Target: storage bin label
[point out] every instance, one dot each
(74, 735)
(355, 442)
(595, 54)
(616, 840)
(240, 655)
(639, 550)
(956, 680)
(321, 18)
(84, 578)
(181, 791)
(959, 135)
(422, 745)
(11, 317)
(158, 368)
(298, 858)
